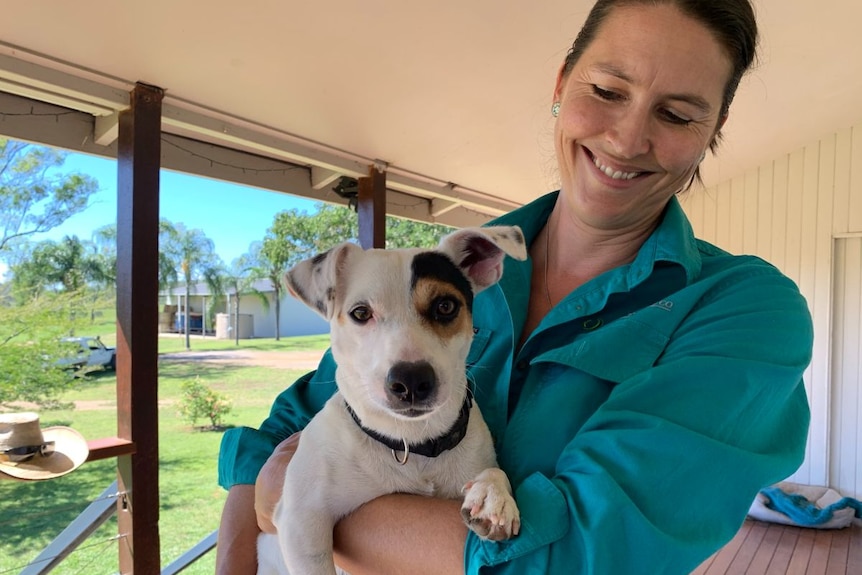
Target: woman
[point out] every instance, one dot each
(655, 384)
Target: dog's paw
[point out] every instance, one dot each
(489, 508)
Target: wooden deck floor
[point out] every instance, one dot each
(770, 549)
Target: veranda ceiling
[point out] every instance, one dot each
(448, 92)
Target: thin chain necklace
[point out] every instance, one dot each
(547, 257)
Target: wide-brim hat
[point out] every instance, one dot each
(70, 448)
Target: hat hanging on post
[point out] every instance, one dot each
(31, 453)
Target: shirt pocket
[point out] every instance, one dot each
(480, 342)
(613, 352)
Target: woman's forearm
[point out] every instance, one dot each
(236, 552)
(399, 533)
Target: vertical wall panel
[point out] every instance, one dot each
(820, 300)
(846, 437)
(793, 240)
(855, 211)
(710, 213)
(737, 215)
(750, 195)
(692, 202)
(841, 201)
(779, 211)
(722, 216)
(817, 394)
(763, 225)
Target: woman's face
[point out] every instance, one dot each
(637, 111)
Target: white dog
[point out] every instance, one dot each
(403, 419)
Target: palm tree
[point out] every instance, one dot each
(273, 257)
(240, 278)
(192, 255)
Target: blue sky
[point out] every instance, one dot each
(232, 216)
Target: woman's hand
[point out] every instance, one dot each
(270, 482)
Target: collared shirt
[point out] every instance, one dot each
(638, 420)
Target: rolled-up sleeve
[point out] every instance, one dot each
(662, 473)
(244, 450)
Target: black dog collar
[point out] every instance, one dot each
(430, 448)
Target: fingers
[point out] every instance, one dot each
(270, 482)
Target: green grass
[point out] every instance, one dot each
(32, 514)
(170, 343)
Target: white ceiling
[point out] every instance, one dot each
(454, 90)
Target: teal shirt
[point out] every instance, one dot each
(638, 420)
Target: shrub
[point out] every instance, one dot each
(201, 402)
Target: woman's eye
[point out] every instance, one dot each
(674, 118)
(360, 314)
(605, 94)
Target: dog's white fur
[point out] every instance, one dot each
(337, 466)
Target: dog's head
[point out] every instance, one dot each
(401, 320)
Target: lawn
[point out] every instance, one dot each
(32, 514)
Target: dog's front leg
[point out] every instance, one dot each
(307, 545)
(489, 508)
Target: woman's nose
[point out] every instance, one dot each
(630, 135)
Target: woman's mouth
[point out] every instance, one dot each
(611, 172)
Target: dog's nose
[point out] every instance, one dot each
(411, 382)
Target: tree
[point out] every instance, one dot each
(192, 256)
(295, 235)
(273, 257)
(30, 349)
(69, 265)
(240, 279)
(104, 255)
(34, 197)
(401, 233)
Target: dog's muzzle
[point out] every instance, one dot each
(411, 385)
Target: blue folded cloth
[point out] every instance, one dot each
(804, 512)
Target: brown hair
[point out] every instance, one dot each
(731, 21)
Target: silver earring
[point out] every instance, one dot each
(555, 109)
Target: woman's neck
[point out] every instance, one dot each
(574, 254)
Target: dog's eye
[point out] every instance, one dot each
(445, 308)
(360, 314)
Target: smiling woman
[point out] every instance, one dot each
(636, 380)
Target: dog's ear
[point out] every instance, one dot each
(314, 280)
(479, 252)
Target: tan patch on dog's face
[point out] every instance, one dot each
(442, 295)
(442, 308)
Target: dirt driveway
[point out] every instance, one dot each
(303, 360)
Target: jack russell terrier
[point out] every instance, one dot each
(403, 419)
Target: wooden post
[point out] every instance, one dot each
(371, 208)
(138, 160)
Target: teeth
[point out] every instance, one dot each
(611, 173)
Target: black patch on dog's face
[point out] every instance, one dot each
(437, 266)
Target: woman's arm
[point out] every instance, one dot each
(399, 533)
(248, 511)
(236, 552)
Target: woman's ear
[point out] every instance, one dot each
(561, 80)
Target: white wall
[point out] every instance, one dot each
(296, 317)
(790, 212)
